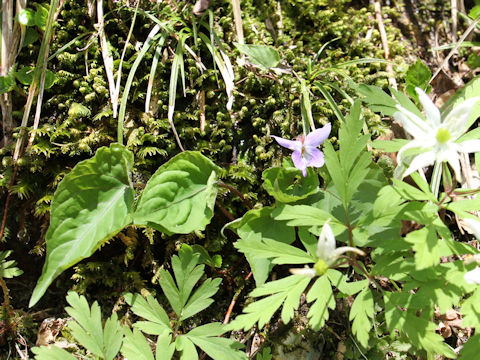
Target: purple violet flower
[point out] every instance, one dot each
(305, 152)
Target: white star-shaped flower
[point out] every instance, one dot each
(434, 136)
(327, 254)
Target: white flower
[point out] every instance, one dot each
(327, 253)
(473, 276)
(436, 138)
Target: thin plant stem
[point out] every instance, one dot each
(236, 192)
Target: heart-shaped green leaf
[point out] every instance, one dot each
(262, 55)
(288, 185)
(180, 196)
(92, 203)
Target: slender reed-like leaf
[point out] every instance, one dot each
(153, 69)
(333, 105)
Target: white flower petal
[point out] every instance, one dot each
(474, 226)
(326, 243)
(411, 145)
(420, 161)
(412, 124)
(469, 146)
(431, 111)
(473, 276)
(457, 120)
(306, 271)
(454, 160)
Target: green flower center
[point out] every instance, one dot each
(320, 267)
(443, 135)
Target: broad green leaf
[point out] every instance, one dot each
(321, 295)
(262, 55)
(150, 310)
(288, 185)
(135, 346)
(418, 75)
(361, 313)
(91, 204)
(218, 348)
(471, 89)
(86, 327)
(180, 196)
(8, 269)
(335, 170)
(7, 83)
(257, 225)
(52, 353)
(25, 76)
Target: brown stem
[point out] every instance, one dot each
(234, 300)
(224, 211)
(236, 192)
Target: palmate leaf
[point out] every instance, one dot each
(187, 273)
(286, 291)
(180, 196)
(92, 203)
(135, 346)
(157, 319)
(86, 327)
(321, 295)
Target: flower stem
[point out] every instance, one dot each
(436, 177)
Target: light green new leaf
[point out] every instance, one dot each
(262, 55)
(218, 348)
(471, 310)
(361, 313)
(91, 204)
(180, 197)
(135, 346)
(149, 309)
(86, 327)
(52, 353)
(8, 269)
(321, 295)
(288, 185)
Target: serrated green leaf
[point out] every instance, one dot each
(288, 185)
(218, 348)
(8, 269)
(86, 327)
(321, 295)
(418, 75)
(424, 243)
(361, 313)
(135, 346)
(150, 310)
(201, 298)
(261, 311)
(52, 353)
(92, 203)
(180, 196)
(262, 55)
(377, 99)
